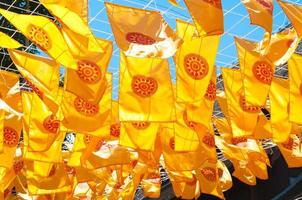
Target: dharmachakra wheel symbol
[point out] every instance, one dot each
(237, 140)
(89, 72)
(144, 86)
(51, 124)
(209, 140)
(216, 3)
(115, 130)
(34, 88)
(172, 143)
(139, 38)
(209, 173)
(247, 108)
(211, 91)
(85, 107)
(10, 137)
(39, 37)
(88, 139)
(141, 125)
(18, 166)
(196, 66)
(267, 4)
(263, 71)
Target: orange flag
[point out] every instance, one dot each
(143, 34)
(207, 16)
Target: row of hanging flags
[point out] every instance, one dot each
(120, 145)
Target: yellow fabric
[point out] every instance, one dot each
(207, 16)
(287, 150)
(151, 183)
(143, 34)
(294, 14)
(8, 80)
(260, 13)
(253, 65)
(174, 3)
(145, 93)
(194, 61)
(295, 81)
(8, 42)
(243, 123)
(80, 7)
(44, 33)
(39, 122)
(279, 103)
(225, 179)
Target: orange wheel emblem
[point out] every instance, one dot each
(140, 125)
(18, 166)
(89, 72)
(237, 140)
(190, 124)
(263, 71)
(115, 130)
(209, 140)
(172, 143)
(34, 88)
(10, 137)
(209, 173)
(211, 91)
(267, 4)
(139, 38)
(196, 66)
(51, 124)
(85, 107)
(246, 108)
(89, 138)
(39, 37)
(216, 3)
(144, 86)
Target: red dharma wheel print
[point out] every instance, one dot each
(237, 140)
(301, 88)
(289, 144)
(34, 88)
(85, 107)
(18, 166)
(216, 3)
(267, 4)
(10, 137)
(209, 140)
(190, 124)
(141, 125)
(263, 71)
(211, 91)
(196, 66)
(172, 143)
(89, 72)
(115, 130)
(246, 108)
(39, 37)
(144, 86)
(139, 38)
(209, 173)
(89, 138)
(51, 124)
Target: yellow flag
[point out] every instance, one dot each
(257, 74)
(81, 7)
(281, 126)
(8, 42)
(145, 93)
(151, 183)
(295, 81)
(40, 123)
(207, 16)
(260, 12)
(243, 117)
(294, 14)
(43, 33)
(224, 175)
(287, 148)
(8, 175)
(194, 64)
(144, 34)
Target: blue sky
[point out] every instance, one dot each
(236, 24)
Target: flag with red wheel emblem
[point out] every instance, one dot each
(243, 117)
(288, 148)
(7, 175)
(295, 88)
(43, 33)
(145, 93)
(144, 34)
(207, 16)
(257, 73)
(195, 61)
(42, 125)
